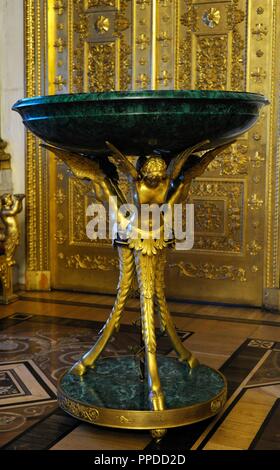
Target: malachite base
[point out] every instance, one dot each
(113, 394)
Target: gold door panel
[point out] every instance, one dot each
(99, 45)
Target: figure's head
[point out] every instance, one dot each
(7, 200)
(154, 170)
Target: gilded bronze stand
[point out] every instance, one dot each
(156, 407)
(159, 123)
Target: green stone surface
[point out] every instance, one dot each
(140, 122)
(115, 383)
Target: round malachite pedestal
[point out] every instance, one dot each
(113, 394)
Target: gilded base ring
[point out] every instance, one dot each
(112, 394)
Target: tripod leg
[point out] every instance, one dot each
(126, 263)
(145, 267)
(166, 320)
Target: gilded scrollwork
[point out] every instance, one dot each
(190, 18)
(211, 50)
(86, 413)
(101, 66)
(100, 263)
(210, 271)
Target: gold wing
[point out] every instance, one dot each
(175, 167)
(84, 170)
(196, 167)
(126, 167)
(201, 163)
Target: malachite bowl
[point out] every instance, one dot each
(140, 122)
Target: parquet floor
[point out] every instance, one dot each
(43, 333)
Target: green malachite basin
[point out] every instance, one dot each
(140, 122)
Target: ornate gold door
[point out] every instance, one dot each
(98, 45)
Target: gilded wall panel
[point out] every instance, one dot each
(98, 45)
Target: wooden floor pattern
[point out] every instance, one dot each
(42, 333)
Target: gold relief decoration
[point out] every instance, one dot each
(78, 410)
(79, 200)
(257, 159)
(164, 37)
(255, 203)
(102, 24)
(125, 65)
(211, 59)
(143, 3)
(260, 10)
(94, 67)
(237, 65)
(142, 41)
(143, 80)
(60, 44)
(60, 237)
(101, 3)
(235, 16)
(4, 273)
(184, 69)
(257, 136)
(233, 161)
(165, 78)
(60, 82)
(100, 263)
(121, 23)
(254, 247)
(81, 27)
(190, 18)
(211, 17)
(258, 75)
(259, 53)
(59, 7)
(216, 405)
(165, 3)
(260, 31)
(210, 271)
(101, 70)
(60, 196)
(124, 420)
(209, 217)
(221, 194)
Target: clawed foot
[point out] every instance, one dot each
(78, 369)
(190, 359)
